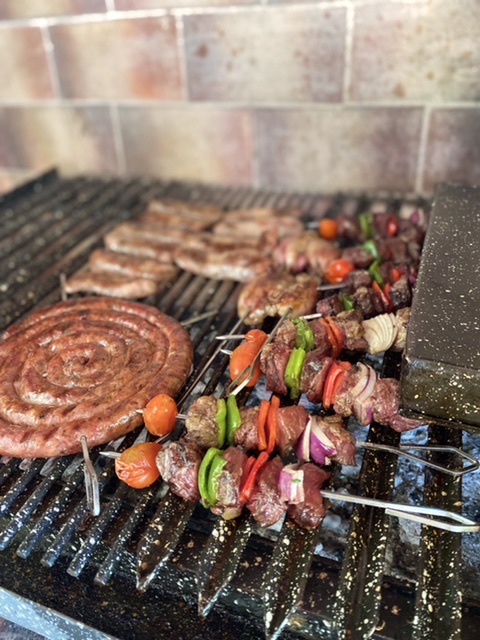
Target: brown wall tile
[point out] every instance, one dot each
(453, 147)
(118, 59)
(291, 54)
(14, 9)
(77, 140)
(426, 50)
(207, 145)
(24, 70)
(331, 149)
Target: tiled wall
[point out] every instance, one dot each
(285, 94)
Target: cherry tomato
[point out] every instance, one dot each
(338, 270)
(137, 467)
(328, 229)
(392, 226)
(160, 415)
(243, 356)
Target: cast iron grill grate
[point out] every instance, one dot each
(318, 587)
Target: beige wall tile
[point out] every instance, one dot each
(453, 148)
(118, 59)
(126, 5)
(10, 9)
(426, 50)
(24, 70)
(331, 149)
(206, 145)
(76, 140)
(277, 54)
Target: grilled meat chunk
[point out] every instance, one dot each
(201, 423)
(247, 435)
(314, 373)
(291, 424)
(242, 264)
(266, 505)
(229, 505)
(310, 513)
(342, 440)
(329, 306)
(273, 361)
(178, 463)
(305, 252)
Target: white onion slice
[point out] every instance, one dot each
(322, 448)
(291, 484)
(401, 320)
(362, 408)
(380, 332)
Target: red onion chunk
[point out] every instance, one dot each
(321, 447)
(291, 484)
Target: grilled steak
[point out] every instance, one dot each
(178, 463)
(274, 294)
(85, 367)
(240, 264)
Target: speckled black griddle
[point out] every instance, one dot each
(441, 367)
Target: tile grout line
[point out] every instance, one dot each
(51, 62)
(118, 139)
(422, 150)
(182, 57)
(347, 73)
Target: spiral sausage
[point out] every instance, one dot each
(85, 367)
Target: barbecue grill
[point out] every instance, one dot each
(67, 574)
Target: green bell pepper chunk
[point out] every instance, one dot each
(348, 302)
(374, 271)
(293, 371)
(221, 418)
(203, 474)
(305, 338)
(216, 467)
(234, 419)
(372, 249)
(366, 224)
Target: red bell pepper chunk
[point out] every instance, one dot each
(395, 274)
(335, 376)
(338, 337)
(392, 226)
(383, 295)
(261, 425)
(272, 423)
(249, 484)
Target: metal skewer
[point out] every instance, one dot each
(91, 481)
(411, 512)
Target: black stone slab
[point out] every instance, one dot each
(441, 366)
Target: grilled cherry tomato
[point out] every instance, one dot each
(160, 415)
(243, 356)
(137, 467)
(328, 229)
(338, 270)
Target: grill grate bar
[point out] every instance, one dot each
(80, 512)
(440, 555)
(219, 561)
(114, 556)
(96, 532)
(35, 499)
(20, 486)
